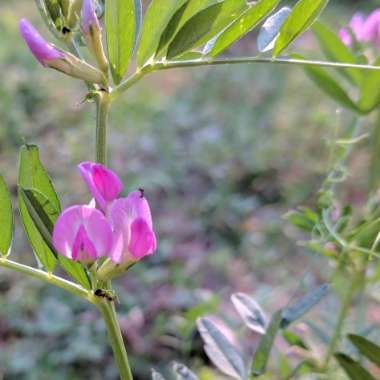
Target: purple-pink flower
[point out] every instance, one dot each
(82, 233)
(89, 18)
(131, 220)
(41, 49)
(103, 183)
(363, 29)
(121, 229)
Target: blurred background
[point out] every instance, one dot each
(222, 153)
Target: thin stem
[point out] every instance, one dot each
(48, 278)
(102, 111)
(343, 314)
(116, 339)
(166, 65)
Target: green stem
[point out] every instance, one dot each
(48, 278)
(102, 111)
(166, 65)
(343, 314)
(116, 339)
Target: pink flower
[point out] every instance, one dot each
(103, 183)
(364, 29)
(345, 36)
(131, 220)
(82, 233)
(89, 18)
(41, 49)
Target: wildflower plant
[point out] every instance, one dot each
(96, 242)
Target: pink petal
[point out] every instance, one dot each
(82, 225)
(89, 17)
(345, 36)
(370, 29)
(131, 220)
(83, 248)
(103, 183)
(357, 24)
(143, 240)
(40, 48)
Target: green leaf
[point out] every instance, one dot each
(183, 373)
(121, 20)
(261, 356)
(250, 312)
(304, 13)
(32, 175)
(220, 351)
(44, 214)
(304, 218)
(156, 19)
(336, 51)
(205, 25)
(353, 369)
(184, 14)
(270, 30)
(243, 24)
(329, 85)
(294, 340)
(370, 90)
(6, 219)
(302, 306)
(367, 348)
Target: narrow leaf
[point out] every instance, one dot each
(269, 32)
(370, 90)
(205, 25)
(301, 307)
(121, 24)
(32, 175)
(44, 214)
(183, 373)
(367, 348)
(243, 24)
(335, 50)
(184, 14)
(329, 85)
(156, 19)
(264, 349)
(250, 311)
(294, 340)
(303, 15)
(6, 219)
(220, 351)
(353, 369)
(374, 166)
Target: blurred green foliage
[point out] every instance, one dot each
(222, 153)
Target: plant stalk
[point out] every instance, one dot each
(343, 314)
(108, 311)
(102, 111)
(107, 308)
(48, 278)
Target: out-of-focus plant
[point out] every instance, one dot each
(97, 242)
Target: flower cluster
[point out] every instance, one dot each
(118, 228)
(362, 29)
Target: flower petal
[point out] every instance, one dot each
(40, 48)
(103, 183)
(82, 225)
(143, 239)
(89, 17)
(83, 248)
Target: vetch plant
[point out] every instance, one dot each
(97, 242)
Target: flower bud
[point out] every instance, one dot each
(49, 56)
(92, 32)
